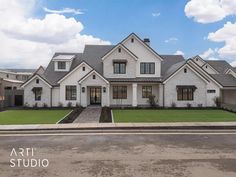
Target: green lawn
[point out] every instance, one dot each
(168, 115)
(31, 116)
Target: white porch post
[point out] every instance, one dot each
(160, 99)
(134, 90)
(108, 94)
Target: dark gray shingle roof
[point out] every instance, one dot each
(93, 54)
(53, 76)
(226, 80)
(138, 79)
(168, 61)
(219, 65)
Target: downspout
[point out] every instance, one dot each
(51, 97)
(163, 95)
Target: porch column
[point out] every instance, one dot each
(160, 99)
(134, 91)
(108, 94)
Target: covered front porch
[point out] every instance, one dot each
(135, 94)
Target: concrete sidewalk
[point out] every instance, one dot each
(116, 126)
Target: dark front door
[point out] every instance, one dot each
(18, 100)
(95, 95)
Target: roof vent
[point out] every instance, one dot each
(146, 41)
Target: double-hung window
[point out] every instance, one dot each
(70, 92)
(146, 91)
(37, 93)
(61, 65)
(147, 68)
(119, 67)
(119, 92)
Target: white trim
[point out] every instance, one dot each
(92, 73)
(123, 47)
(229, 70)
(198, 57)
(207, 64)
(26, 83)
(69, 73)
(205, 72)
(64, 117)
(145, 45)
(112, 117)
(192, 69)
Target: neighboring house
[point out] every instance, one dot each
(11, 93)
(127, 74)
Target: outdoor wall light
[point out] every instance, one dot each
(83, 89)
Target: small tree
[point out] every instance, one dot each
(217, 101)
(60, 104)
(45, 105)
(69, 104)
(173, 104)
(151, 100)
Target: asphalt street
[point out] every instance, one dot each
(124, 154)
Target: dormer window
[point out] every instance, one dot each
(94, 76)
(37, 81)
(132, 40)
(185, 70)
(119, 50)
(83, 68)
(61, 65)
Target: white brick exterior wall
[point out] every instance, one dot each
(189, 78)
(29, 96)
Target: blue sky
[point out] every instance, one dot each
(114, 19)
(172, 25)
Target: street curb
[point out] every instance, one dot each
(120, 126)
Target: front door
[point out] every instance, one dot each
(95, 95)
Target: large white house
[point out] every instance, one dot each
(127, 74)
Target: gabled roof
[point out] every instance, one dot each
(93, 54)
(220, 65)
(40, 77)
(122, 46)
(92, 72)
(169, 61)
(226, 80)
(53, 76)
(147, 46)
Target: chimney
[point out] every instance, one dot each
(146, 41)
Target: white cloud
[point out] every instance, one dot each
(156, 14)
(64, 11)
(30, 42)
(171, 40)
(233, 63)
(207, 53)
(226, 34)
(208, 11)
(179, 52)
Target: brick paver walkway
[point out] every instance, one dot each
(90, 115)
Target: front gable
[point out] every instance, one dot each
(93, 78)
(139, 48)
(119, 51)
(186, 72)
(230, 71)
(76, 74)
